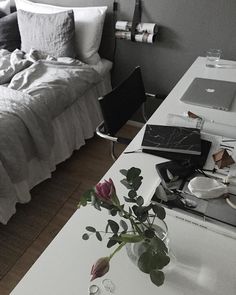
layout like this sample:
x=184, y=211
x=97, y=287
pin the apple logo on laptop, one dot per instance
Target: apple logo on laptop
x=210, y=90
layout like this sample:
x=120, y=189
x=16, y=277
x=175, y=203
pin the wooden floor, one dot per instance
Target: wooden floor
x=84, y=169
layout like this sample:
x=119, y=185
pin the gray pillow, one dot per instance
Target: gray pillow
x=9, y=32
x=51, y=34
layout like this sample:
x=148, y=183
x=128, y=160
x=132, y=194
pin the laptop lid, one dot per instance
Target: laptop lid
x=216, y=94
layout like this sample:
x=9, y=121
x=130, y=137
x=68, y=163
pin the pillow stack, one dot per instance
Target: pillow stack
x=51, y=34
x=5, y=7
x=88, y=27
x=9, y=31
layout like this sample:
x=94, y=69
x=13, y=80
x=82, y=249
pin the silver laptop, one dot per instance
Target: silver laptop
x=216, y=94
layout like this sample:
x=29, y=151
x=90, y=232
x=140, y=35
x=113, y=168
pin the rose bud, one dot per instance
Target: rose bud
x=100, y=268
x=106, y=191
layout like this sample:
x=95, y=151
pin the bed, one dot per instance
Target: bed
x=49, y=106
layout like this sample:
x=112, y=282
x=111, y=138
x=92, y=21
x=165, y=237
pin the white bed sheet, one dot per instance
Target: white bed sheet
x=71, y=128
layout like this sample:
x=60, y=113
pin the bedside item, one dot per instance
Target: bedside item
x=144, y=32
x=213, y=57
x=57, y=40
x=88, y=26
x=9, y=32
x=215, y=94
x=206, y=188
x=223, y=159
x=172, y=139
x=136, y=30
x=5, y=6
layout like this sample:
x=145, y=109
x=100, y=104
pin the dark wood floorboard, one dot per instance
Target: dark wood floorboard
x=84, y=169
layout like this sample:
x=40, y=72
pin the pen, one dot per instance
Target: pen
x=228, y=140
x=131, y=152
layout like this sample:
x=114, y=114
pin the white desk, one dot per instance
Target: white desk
x=206, y=260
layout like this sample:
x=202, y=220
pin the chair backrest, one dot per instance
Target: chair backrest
x=122, y=102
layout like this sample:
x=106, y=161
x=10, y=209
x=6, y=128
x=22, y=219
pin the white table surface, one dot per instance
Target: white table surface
x=205, y=253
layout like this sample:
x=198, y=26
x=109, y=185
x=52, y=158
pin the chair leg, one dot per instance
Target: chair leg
x=144, y=113
x=114, y=157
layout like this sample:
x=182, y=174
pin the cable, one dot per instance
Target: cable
x=230, y=203
x=115, y=9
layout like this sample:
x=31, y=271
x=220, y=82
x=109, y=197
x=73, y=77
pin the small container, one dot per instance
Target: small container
x=213, y=57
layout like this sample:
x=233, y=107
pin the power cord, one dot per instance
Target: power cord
x=115, y=9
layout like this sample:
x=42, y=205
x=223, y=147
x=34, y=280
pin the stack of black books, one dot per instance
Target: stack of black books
x=181, y=144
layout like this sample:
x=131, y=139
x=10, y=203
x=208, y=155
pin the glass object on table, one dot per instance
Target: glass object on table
x=213, y=57
x=108, y=285
x=93, y=290
x=135, y=250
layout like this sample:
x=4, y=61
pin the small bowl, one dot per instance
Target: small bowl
x=206, y=188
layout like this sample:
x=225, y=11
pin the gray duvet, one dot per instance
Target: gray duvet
x=33, y=98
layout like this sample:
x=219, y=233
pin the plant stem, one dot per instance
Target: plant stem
x=117, y=249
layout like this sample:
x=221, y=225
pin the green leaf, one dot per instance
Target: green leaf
x=98, y=235
x=143, y=217
x=133, y=173
x=114, y=226
x=96, y=203
x=137, y=182
x=158, y=245
x=112, y=241
x=91, y=229
x=124, y=225
x=132, y=194
x=146, y=263
x=85, y=237
x=123, y=172
x=86, y=197
x=157, y=277
x=161, y=260
x=159, y=211
x=129, y=200
x=135, y=209
x=140, y=201
x=126, y=183
x=113, y=211
x=149, y=233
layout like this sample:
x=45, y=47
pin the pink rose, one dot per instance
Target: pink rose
x=105, y=191
x=100, y=268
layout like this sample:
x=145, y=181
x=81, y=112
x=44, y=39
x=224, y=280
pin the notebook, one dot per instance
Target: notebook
x=216, y=94
x=197, y=161
x=172, y=139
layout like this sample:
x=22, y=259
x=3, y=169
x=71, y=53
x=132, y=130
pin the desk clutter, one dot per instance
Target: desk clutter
x=202, y=182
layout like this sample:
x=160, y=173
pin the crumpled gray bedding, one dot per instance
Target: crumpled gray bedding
x=32, y=99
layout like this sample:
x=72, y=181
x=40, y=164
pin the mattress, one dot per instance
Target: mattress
x=71, y=128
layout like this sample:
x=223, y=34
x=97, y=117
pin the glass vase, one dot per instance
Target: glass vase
x=135, y=250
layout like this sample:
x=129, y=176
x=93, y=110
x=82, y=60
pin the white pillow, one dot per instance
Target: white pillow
x=88, y=26
x=5, y=6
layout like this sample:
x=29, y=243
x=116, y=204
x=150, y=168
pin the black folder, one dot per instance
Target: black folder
x=197, y=161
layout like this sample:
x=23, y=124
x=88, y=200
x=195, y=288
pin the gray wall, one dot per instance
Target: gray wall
x=187, y=29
